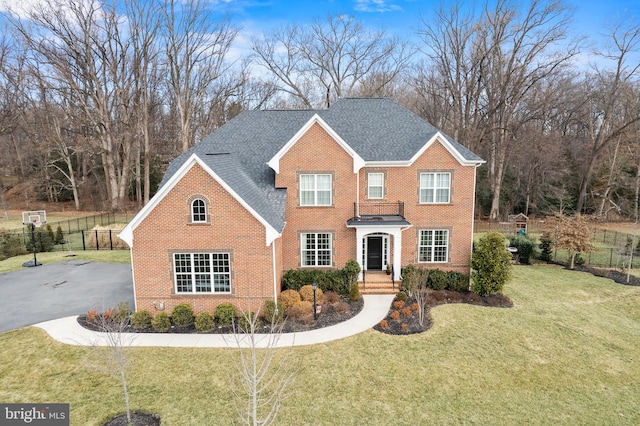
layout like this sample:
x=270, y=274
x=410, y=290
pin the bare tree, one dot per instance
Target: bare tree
x=611, y=102
x=82, y=47
x=263, y=372
x=489, y=66
x=112, y=347
x=327, y=60
x=196, y=46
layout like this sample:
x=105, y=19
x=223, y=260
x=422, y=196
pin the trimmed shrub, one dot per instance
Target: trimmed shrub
x=161, y=322
x=491, y=263
x=525, y=246
x=109, y=314
x=123, y=311
x=204, y=321
x=273, y=312
x=331, y=297
x=43, y=240
x=11, y=245
x=354, y=292
x=395, y=315
x=300, y=309
x=546, y=245
x=406, y=312
x=401, y=296
x=246, y=318
x=437, y=279
x=92, y=314
x=59, y=236
x=384, y=324
x=351, y=271
x=333, y=280
x=306, y=293
x=140, y=320
x=182, y=315
x=342, y=307
x=398, y=304
x=226, y=313
x=457, y=281
x=288, y=298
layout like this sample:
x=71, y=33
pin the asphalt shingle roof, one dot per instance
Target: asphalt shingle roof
x=377, y=129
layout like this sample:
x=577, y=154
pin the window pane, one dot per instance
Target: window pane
x=316, y=249
x=324, y=198
x=434, y=246
x=203, y=283
x=182, y=268
x=306, y=182
x=221, y=283
x=324, y=181
x=199, y=211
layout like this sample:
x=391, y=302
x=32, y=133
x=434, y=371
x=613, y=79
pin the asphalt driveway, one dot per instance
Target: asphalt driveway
x=46, y=292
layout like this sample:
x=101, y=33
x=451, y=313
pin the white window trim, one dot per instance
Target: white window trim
x=303, y=249
x=193, y=273
x=435, y=188
x=193, y=212
x=381, y=186
x=315, y=189
x=433, y=246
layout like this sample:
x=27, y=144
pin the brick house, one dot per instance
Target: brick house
x=275, y=190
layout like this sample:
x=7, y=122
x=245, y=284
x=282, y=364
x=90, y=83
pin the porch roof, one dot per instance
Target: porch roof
x=383, y=220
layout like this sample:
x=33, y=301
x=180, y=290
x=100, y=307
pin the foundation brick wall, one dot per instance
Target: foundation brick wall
x=231, y=228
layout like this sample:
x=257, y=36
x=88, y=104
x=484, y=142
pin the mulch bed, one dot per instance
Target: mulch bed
x=406, y=321
x=617, y=276
x=329, y=316
x=137, y=419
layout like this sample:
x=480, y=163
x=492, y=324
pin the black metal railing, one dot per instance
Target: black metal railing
x=378, y=209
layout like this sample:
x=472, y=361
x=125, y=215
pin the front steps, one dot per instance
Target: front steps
x=378, y=283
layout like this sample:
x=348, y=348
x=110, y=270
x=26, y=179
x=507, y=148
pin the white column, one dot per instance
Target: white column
x=397, y=253
x=359, y=236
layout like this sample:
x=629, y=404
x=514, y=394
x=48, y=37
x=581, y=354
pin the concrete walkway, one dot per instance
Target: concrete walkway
x=67, y=330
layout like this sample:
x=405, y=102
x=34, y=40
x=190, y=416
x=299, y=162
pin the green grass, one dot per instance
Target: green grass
x=566, y=353
x=108, y=256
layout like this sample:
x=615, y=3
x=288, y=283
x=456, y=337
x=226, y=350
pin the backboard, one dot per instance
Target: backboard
x=37, y=217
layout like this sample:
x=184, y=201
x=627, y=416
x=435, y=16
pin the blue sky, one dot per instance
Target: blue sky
x=400, y=16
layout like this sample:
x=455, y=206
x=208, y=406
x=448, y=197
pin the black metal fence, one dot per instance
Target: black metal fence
x=613, y=249
x=77, y=233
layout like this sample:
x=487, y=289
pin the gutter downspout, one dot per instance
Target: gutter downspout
x=273, y=261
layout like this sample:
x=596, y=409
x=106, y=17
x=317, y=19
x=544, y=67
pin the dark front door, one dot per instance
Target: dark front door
x=374, y=253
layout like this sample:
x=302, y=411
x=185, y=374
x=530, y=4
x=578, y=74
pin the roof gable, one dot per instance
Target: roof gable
x=274, y=162
x=229, y=175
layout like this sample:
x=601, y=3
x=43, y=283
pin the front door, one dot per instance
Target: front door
x=374, y=254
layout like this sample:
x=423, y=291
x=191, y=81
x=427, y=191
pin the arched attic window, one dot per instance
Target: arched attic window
x=198, y=211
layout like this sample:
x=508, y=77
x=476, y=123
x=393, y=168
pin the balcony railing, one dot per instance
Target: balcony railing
x=378, y=209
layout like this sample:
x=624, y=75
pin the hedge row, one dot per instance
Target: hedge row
x=338, y=280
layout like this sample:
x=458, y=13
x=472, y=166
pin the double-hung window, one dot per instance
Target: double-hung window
x=434, y=245
x=202, y=272
x=376, y=185
x=435, y=187
x=198, y=211
x=315, y=190
x=315, y=249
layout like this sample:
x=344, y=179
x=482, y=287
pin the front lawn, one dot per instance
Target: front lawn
x=566, y=353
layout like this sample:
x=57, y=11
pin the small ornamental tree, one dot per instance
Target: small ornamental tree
x=574, y=235
x=491, y=264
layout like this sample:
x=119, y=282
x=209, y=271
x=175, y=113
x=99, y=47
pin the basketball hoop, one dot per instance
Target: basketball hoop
x=37, y=223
